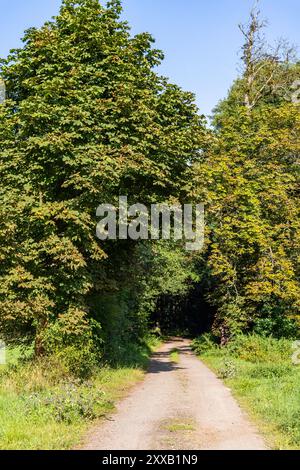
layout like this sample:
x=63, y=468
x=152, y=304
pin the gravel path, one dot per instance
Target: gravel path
x=178, y=406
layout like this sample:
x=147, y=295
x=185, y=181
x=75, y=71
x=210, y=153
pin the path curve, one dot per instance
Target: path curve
x=177, y=406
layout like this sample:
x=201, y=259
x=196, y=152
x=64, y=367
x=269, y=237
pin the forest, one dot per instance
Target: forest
x=87, y=118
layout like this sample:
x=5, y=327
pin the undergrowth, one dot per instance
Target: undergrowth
x=44, y=406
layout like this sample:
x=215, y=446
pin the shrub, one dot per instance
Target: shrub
x=79, y=362
x=74, y=341
x=206, y=342
x=255, y=348
x=279, y=326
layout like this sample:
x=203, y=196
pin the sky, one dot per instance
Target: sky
x=200, y=38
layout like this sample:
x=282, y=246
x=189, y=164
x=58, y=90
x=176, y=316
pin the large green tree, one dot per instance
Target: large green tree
x=251, y=189
x=86, y=119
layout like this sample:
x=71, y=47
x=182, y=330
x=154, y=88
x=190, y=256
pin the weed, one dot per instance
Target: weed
x=228, y=370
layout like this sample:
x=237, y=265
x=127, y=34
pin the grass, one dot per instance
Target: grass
x=179, y=426
x=43, y=408
x=174, y=355
x=263, y=378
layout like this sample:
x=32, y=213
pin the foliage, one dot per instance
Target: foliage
x=256, y=348
x=75, y=342
x=205, y=342
x=86, y=119
x=251, y=191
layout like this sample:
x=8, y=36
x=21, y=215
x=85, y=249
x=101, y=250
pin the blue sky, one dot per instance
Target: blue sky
x=200, y=38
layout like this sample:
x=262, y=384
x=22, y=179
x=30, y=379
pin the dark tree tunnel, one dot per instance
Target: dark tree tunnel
x=190, y=315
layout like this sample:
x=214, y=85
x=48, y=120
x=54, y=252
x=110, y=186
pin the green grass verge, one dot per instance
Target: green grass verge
x=43, y=408
x=264, y=380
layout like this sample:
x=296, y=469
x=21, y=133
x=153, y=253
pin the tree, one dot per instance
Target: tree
x=263, y=66
x=86, y=120
x=251, y=193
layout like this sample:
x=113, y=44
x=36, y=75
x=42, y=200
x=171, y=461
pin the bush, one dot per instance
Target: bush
x=278, y=326
x=206, y=342
x=76, y=342
x=79, y=362
x=255, y=348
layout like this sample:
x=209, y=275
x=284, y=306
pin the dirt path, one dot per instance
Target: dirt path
x=178, y=406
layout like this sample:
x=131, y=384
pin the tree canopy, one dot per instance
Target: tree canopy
x=87, y=118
